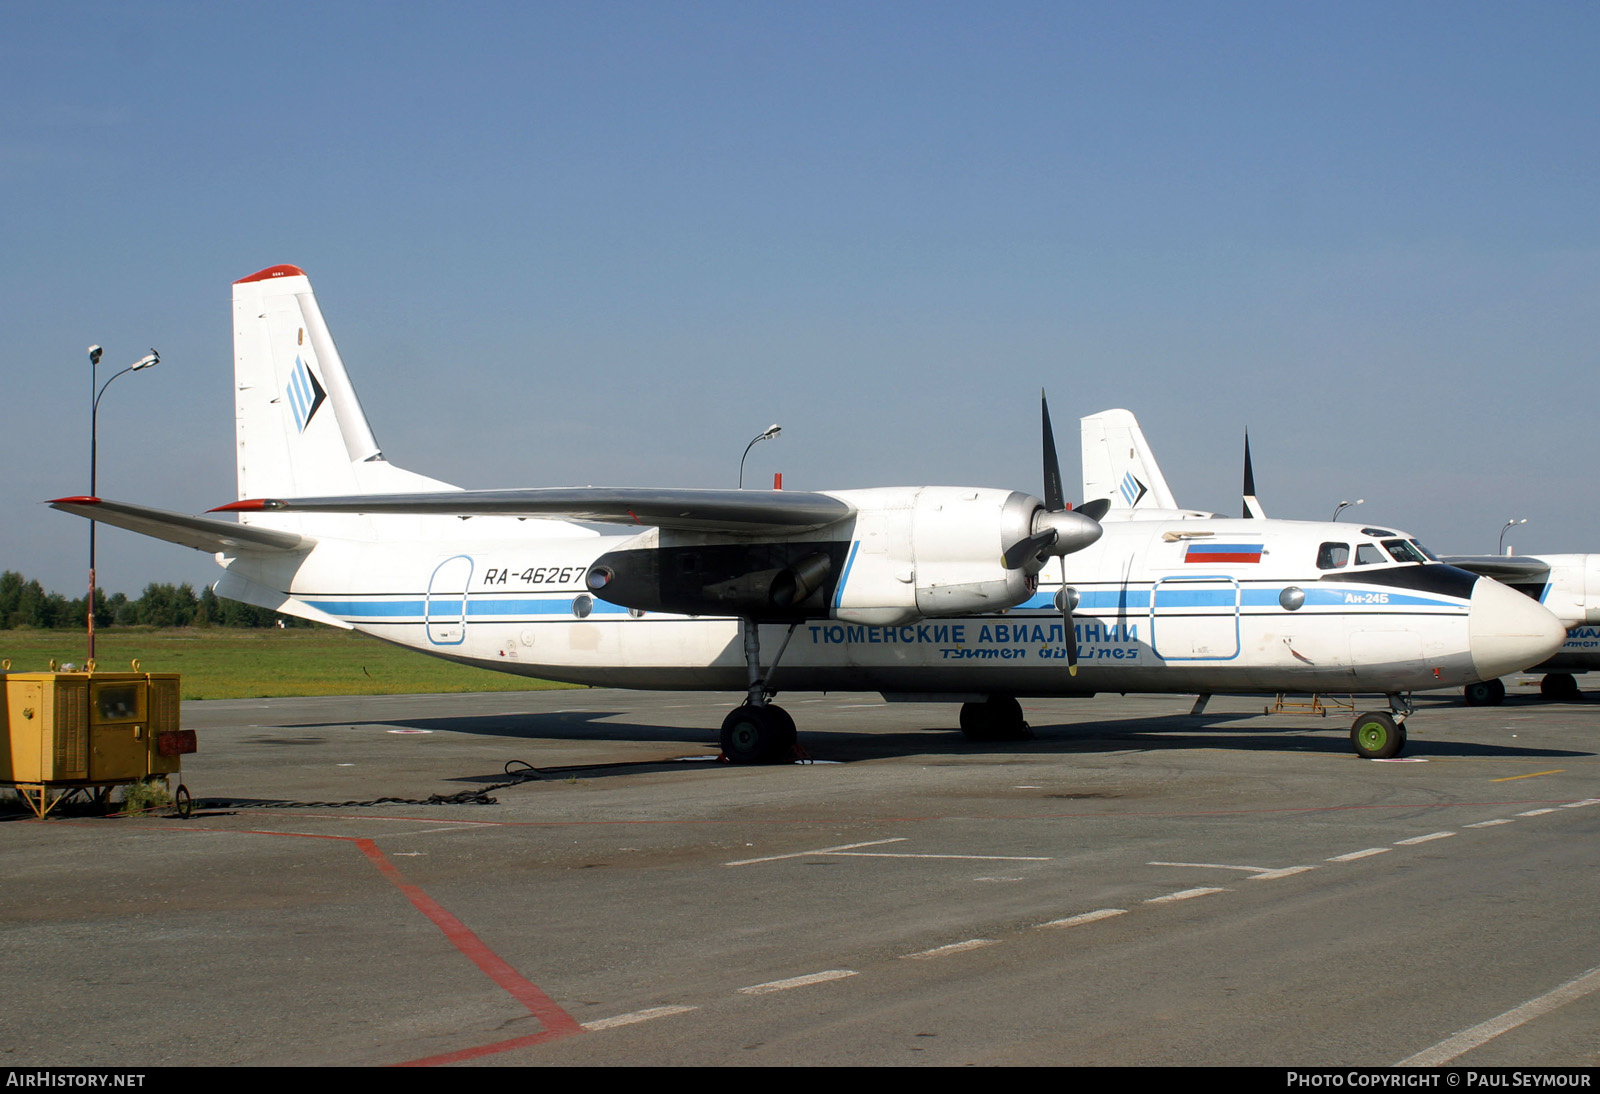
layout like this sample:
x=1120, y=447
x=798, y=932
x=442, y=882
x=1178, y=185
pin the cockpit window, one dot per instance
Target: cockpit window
x=1403, y=551
x=1331, y=556
x=1367, y=554
x=1427, y=554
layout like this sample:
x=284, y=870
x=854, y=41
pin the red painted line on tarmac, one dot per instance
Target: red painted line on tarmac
x=557, y=1022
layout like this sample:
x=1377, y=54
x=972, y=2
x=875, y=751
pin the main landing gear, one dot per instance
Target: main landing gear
x=1558, y=687
x=1561, y=687
x=1381, y=735
x=758, y=732
x=998, y=718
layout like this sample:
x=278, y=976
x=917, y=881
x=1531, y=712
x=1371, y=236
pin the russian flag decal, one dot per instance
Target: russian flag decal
x=1222, y=552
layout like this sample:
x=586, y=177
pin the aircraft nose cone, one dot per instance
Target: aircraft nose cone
x=1508, y=631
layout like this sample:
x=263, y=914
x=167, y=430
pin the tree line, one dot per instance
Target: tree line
x=24, y=603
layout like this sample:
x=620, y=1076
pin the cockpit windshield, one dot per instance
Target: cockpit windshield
x=1404, y=550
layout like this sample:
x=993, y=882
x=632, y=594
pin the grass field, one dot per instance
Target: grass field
x=229, y=663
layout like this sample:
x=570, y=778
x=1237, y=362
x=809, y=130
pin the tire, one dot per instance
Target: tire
x=1485, y=693
x=1376, y=736
x=1560, y=687
x=998, y=718
x=755, y=735
x=975, y=722
x=786, y=726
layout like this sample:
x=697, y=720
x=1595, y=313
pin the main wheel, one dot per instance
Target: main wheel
x=791, y=735
x=1560, y=686
x=1376, y=736
x=1485, y=693
x=975, y=722
x=999, y=718
x=757, y=735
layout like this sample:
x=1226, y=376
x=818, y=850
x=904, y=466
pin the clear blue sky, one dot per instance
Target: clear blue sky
x=610, y=242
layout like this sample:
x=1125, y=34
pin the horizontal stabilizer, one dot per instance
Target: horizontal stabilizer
x=732, y=511
x=1501, y=567
x=201, y=533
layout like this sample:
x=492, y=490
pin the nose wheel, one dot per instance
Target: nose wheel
x=1376, y=735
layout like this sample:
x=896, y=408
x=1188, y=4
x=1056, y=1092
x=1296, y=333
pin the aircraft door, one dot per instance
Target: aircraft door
x=445, y=611
x=1195, y=618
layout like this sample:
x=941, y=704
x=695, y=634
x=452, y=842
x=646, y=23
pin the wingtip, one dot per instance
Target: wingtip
x=82, y=499
x=246, y=505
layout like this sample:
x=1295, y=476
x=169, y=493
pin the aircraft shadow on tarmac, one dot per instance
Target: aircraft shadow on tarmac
x=851, y=743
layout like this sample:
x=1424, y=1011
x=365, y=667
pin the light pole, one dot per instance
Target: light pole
x=766, y=434
x=1343, y=505
x=1507, y=527
x=147, y=361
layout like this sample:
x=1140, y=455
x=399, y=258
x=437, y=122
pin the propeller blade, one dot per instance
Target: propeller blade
x=1095, y=509
x=1024, y=549
x=1064, y=603
x=1054, y=498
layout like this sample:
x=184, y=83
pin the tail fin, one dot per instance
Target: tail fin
x=300, y=430
x=1118, y=464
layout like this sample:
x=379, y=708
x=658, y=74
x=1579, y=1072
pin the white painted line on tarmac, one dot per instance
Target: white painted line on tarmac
x=637, y=1016
x=797, y=982
x=1086, y=917
x=1422, y=839
x=910, y=854
x=1258, y=873
x=1185, y=894
x=1537, y=812
x=1467, y=1040
x=817, y=851
x=1580, y=805
x=1283, y=871
x=1353, y=855
x=945, y=951
x=1491, y=823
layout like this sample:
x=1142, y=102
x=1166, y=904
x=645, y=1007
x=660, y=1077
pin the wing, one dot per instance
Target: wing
x=201, y=533
x=746, y=512
x=1501, y=567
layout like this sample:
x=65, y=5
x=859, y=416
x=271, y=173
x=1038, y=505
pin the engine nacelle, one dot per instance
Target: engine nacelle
x=906, y=554
x=1573, y=588
x=935, y=551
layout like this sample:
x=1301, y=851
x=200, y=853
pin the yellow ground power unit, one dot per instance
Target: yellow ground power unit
x=68, y=733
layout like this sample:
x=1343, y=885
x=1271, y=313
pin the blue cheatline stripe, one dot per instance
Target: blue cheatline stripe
x=1126, y=600
x=476, y=609
x=838, y=594
x=1197, y=598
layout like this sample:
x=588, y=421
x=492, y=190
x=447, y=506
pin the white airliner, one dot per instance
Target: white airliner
x=920, y=593
x=1115, y=452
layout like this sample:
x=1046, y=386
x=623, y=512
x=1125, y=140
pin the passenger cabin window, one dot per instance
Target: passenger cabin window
x=1403, y=551
x=1367, y=554
x=1331, y=556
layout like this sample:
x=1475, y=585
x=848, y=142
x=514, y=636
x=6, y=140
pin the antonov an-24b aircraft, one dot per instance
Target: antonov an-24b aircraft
x=924, y=593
